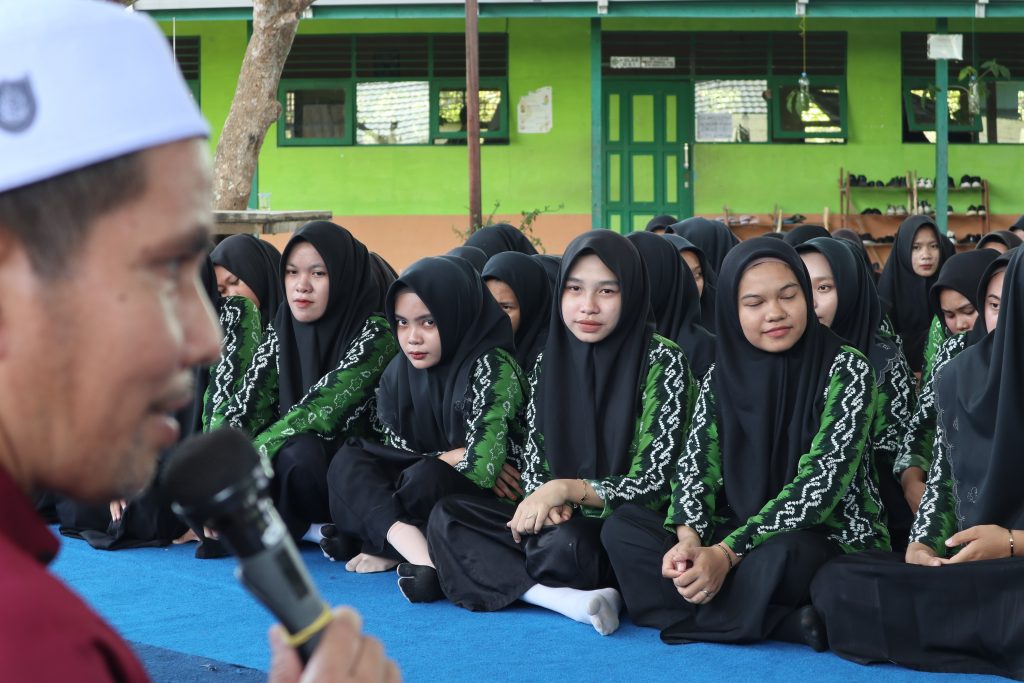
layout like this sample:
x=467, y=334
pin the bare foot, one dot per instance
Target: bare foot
x=370, y=564
x=187, y=537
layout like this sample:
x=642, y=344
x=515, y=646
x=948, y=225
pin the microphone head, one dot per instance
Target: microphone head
x=208, y=468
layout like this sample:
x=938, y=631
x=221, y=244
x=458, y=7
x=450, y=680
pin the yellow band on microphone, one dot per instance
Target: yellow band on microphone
x=303, y=636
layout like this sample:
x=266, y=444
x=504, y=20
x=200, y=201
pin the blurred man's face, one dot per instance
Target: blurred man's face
x=96, y=361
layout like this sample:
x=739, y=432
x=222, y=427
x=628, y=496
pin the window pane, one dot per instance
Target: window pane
x=451, y=110
x=822, y=116
x=924, y=107
x=731, y=110
x=314, y=113
x=1003, y=112
x=393, y=113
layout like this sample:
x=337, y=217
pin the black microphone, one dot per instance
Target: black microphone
x=218, y=480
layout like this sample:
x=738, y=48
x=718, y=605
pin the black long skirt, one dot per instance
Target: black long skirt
x=299, y=486
x=481, y=568
x=758, y=601
x=372, y=486
x=966, y=618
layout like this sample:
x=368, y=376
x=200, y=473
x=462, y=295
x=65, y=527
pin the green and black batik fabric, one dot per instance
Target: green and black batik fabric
x=243, y=332
x=886, y=329
x=937, y=335
x=337, y=407
x=918, y=442
x=894, y=406
x=834, y=489
x=936, y=516
x=495, y=399
x=667, y=395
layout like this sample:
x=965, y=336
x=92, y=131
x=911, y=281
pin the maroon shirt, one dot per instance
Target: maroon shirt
x=46, y=632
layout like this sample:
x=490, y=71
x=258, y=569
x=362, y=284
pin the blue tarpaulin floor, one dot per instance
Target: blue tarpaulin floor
x=190, y=620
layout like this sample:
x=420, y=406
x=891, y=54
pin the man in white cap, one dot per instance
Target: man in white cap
x=105, y=196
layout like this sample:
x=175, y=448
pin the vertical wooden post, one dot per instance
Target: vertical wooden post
x=473, y=112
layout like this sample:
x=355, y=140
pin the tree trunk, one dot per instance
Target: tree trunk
x=255, y=104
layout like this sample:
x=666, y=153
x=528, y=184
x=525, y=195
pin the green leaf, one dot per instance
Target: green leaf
x=966, y=72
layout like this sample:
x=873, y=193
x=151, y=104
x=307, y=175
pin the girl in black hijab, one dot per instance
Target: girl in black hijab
x=918, y=254
x=954, y=605
x=311, y=383
x=955, y=293
x=250, y=267
x=675, y=300
x=476, y=256
x=804, y=233
x=446, y=405
x=846, y=301
x=606, y=413
x=1000, y=240
x=658, y=224
x=494, y=239
x=713, y=238
x=520, y=286
x=703, y=274
x=771, y=482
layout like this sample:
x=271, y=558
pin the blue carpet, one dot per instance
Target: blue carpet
x=166, y=599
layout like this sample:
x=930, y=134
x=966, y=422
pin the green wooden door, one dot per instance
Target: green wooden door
x=648, y=152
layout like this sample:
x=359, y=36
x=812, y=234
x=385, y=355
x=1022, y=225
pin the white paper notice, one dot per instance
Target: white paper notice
x=535, y=111
x=714, y=126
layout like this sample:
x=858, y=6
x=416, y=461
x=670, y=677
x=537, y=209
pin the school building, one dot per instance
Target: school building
x=604, y=113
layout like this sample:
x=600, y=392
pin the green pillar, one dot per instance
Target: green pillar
x=941, y=136
x=596, y=131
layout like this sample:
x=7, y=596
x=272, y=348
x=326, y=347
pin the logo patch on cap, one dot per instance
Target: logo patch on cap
x=17, y=105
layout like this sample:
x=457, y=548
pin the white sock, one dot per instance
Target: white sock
x=600, y=608
x=410, y=543
x=313, y=534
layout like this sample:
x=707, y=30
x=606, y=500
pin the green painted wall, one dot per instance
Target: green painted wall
x=551, y=169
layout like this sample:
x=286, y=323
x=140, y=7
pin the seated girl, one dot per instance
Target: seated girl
x=845, y=300
x=445, y=407
x=606, y=416
x=953, y=300
x=311, y=383
x=771, y=482
x=954, y=606
x=520, y=286
x=675, y=300
x=703, y=274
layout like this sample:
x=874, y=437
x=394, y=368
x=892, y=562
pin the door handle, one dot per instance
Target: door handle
x=686, y=156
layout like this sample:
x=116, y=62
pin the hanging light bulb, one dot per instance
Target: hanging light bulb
x=974, y=96
x=803, y=98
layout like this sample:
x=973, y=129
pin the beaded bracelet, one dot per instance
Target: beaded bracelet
x=1010, y=531
x=729, y=557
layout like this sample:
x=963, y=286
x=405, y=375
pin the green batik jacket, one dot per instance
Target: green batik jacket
x=918, y=442
x=243, y=332
x=936, y=517
x=937, y=334
x=338, y=406
x=894, y=406
x=661, y=426
x=834, y=490
x=494, y=399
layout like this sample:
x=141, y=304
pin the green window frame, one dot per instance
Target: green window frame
x=501, y=132
x=781, y=87
x=926, y=124
x=345, y=86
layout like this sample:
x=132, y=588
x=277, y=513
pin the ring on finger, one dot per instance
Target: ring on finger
x=707, y=593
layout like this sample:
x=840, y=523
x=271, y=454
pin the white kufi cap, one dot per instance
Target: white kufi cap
x=84, y=81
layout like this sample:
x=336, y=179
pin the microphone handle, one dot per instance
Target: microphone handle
x=278, y=578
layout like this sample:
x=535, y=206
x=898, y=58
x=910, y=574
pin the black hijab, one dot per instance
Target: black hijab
x=775, y=235
x=494, y=239
x=714, y=238
x=981, y=410
x=981, y=327
x=858, y=310
x=962, y=273
x=529, y=281
x=852, y=238
x=257, y=263
x=425, y=407
x=804, y=233
x=904, y=294
x=588, y=396
x=769, y=404
x=1007, y=238
x=708, y=295
x=1018, y=225
x=660, y=222
x=191, y=416
x=675, y=302
x=475, y=255
x=551, y=265
x=308, y=351
x=384, y=271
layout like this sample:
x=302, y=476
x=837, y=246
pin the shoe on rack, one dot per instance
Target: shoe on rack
x=972, y=210
x=949, y=211
x=965, y=181
x=862, y=181
x=981, y=210
x=890, y=210
x=894, y=182
x=901, y=210
x=976, y=181
x=951, y=183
